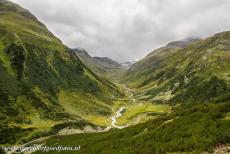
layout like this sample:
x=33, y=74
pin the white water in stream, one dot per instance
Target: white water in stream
x=114, y=118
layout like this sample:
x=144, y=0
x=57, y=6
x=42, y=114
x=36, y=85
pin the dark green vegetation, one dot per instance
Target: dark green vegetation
x=44, y=87
x=191, y=72
x=194, y=77
x=36, y=73
x=191, y=128
x=102, y=66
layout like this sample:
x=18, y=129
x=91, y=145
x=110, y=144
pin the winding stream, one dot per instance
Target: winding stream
x=114, y=118
x=113, y=124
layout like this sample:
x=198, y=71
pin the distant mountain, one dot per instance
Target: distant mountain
x=172, y=46
x=184, y=71
x=127, y=65
x=102, y=66
x=194, y=78
x=44, y=86
x=182, y=43
x=107, y=61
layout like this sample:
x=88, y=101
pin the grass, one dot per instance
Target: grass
x=140, y=111
x=54, y=87
x=87, y=106
x=96, y=119
x=42, y=82
x=97, y=112
x=78, y=103
x=227, y=117
x=6, y=61
x=202, y=59
x=189, y=129
x=40, y=123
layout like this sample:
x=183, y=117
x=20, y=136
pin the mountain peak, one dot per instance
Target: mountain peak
x=100, y=65
x=7, y=6
x=36, y=67
x=81, y=51
x=182, y=43
x=106, y=60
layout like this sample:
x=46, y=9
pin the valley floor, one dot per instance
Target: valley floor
x=127, y=111
x=131, y=111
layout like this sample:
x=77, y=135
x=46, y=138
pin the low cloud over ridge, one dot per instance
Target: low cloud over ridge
x=128, y=30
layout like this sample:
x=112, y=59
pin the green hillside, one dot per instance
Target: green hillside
x=197, y=76
x=42, y=82
x=191, y=129
x=102, y=66
x=175, y=100
x=198, y=71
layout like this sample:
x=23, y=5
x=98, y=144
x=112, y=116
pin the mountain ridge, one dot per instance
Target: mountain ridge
x=168, y=66
x=103, y=66
x=195, y=81
x=44, y=86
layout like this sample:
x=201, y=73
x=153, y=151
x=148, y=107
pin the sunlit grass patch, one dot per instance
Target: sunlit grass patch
x=79, y=103
x=227, y=117
x=86, y=106
x=39, y=122
x=140, y=112
x=96, y=119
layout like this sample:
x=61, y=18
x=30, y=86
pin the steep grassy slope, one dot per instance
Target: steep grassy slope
x=101, y=66
x=138, y=71
x=196, y=76
x=196, y=72
x=42, y=82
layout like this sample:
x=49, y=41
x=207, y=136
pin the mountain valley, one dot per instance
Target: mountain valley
x=174, y=100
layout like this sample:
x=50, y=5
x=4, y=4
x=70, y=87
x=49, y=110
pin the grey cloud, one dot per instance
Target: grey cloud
x=128, y=30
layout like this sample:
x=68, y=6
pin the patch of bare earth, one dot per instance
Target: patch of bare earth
x=220, y=149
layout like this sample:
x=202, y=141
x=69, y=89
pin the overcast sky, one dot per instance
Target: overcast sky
x=126, y=30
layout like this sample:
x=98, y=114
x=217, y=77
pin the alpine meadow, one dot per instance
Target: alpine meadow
x=53, y=96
